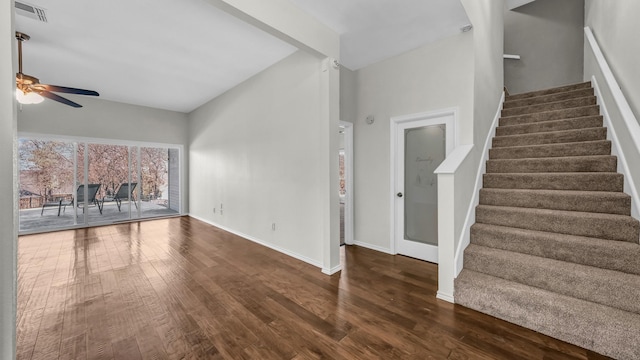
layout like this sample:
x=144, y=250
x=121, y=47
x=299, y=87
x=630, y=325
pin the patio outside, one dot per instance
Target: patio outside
x=124, y=183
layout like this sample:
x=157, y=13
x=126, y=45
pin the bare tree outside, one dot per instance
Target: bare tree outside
x=46, y=169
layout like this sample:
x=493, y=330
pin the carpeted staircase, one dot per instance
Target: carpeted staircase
x=554, y=247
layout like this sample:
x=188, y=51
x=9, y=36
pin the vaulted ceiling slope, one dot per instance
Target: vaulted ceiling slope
x=177, y=55
x=374, y=30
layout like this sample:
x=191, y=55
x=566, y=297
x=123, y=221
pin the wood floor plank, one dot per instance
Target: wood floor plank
x=182, y=289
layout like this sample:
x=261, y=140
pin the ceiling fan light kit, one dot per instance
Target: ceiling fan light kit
x=29, y=90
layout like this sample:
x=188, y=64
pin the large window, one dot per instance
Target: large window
x=112, y=183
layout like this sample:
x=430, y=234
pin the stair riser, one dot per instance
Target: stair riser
x=557, y=90
x=571, y=320
x=550, y=115
x=612, y=255
x=548, y=98
x=547, y=165
x=545, y=126
x=552, y=150
x=557, y=181
x=595, y=202
x=610, y=227
x=566, y=104
x=600, y=286
x=556, y=137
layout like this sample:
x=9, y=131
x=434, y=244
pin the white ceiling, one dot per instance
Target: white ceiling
x=177, y=55
x=374, y=30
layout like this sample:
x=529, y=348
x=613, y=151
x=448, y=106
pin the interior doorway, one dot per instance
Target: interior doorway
x=345, y=187
x=419, y=144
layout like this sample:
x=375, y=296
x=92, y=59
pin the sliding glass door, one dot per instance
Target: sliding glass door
x=111, y=183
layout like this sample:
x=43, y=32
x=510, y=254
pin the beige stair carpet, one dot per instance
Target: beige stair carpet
x=554, y=247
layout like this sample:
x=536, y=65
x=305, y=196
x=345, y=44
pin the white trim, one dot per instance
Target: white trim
x=451, y=164
x=446, y=297
x=616, y=150
x=511, y=57
x=305, y=259
x=349, y=200
x=333, y=270
x=373, y=247
x=395, y=122
x=465, y=237
x=101, y=141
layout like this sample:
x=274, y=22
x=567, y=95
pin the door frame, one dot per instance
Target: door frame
x=348, y=169
x=452, y=138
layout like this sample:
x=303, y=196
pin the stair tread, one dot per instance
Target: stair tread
x=551, y=137
x=553, y=90
x=562, y=95
x=546, y=133
x=559, y=114
x=581, y=148
x=601, y=225
x=556, y=105
x=583, y=122
x=569, y=200
x=590, y=163
x=563, y=317
x=607, y=287
x=562, y=212
x=614, y=255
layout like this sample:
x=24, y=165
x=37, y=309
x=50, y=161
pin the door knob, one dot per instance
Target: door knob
x=399, y=194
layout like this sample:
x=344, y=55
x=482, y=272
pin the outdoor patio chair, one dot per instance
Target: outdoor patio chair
x=79, y=199
x=57, y=202
x=122, y=195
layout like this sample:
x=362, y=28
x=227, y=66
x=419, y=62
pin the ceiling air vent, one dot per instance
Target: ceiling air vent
x=30, y=11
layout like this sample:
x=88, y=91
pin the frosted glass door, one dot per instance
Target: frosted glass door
x=423, y=152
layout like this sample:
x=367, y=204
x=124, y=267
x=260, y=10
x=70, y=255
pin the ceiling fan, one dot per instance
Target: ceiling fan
x=31, y=91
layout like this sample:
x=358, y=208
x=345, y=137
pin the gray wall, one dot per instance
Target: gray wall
x=8, y=188
x=615, y=27
x=548, y=35
x=433, y=77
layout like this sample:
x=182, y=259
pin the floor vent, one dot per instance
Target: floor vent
x=31, y=11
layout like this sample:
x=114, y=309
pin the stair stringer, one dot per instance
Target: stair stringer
x=465, y=236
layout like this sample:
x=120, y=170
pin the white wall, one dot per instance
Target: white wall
x=104, y=119
x=548, y=35
x=257, y=150
x=487, y=18
x=433, y=77
x=8, y=187
x=615, y=27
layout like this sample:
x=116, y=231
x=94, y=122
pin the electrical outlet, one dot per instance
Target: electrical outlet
x=273, y=226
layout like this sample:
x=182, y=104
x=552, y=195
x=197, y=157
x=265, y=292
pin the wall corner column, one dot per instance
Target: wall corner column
x=330, y=119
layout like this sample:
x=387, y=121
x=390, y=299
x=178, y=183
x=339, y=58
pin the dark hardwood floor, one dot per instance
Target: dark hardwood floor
x=181, y=289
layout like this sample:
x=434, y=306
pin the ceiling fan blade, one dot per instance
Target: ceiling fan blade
x=68, y=90
x=60, y=99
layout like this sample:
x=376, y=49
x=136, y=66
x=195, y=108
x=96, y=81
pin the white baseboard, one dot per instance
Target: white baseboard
x=333, y=270
x=265, y=244
x=373, y=247
x=445, y=297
